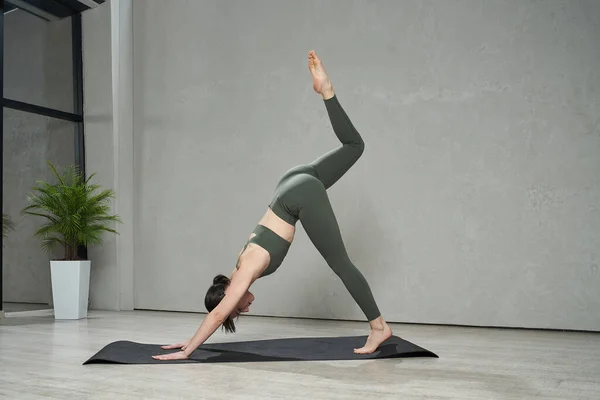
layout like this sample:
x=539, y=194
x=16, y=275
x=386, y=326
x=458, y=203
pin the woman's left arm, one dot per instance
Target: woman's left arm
x=238, y=286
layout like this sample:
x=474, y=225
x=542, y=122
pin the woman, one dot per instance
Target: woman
x=300, y=196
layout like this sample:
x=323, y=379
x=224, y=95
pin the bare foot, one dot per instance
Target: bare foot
x=321, y=82
x=380, y=332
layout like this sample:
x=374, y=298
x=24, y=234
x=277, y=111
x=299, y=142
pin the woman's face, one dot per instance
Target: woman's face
x=244, y=304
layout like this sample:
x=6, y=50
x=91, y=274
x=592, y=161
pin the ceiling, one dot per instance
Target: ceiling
x=51, y=10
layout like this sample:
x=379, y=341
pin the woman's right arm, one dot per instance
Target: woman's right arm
x=239, y=285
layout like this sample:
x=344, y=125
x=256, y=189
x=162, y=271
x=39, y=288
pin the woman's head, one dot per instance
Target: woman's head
x=215, y=294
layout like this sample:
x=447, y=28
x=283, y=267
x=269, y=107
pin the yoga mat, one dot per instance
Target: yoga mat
x=290, y=349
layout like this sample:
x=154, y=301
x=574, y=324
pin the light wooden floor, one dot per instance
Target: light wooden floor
x=41, y=359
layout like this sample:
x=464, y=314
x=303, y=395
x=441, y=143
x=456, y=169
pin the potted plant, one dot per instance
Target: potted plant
x=7, y=225
x=75, y=214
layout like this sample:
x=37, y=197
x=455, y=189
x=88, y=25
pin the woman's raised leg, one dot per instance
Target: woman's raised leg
x=331, y=166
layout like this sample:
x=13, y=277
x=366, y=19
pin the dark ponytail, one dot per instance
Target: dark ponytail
x=221, y=280
x=213, y=297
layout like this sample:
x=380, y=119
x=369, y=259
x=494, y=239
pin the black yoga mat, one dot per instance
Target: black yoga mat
x=292, y=349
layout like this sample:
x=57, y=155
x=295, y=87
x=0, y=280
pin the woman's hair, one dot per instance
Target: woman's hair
x=215, y=294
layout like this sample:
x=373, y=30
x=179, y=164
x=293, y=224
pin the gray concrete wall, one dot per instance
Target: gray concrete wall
x=99, y=147
x=38, y=70
x=476, y=200
x=108, y=109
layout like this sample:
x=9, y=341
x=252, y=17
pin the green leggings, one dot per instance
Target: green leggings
x=301, y=196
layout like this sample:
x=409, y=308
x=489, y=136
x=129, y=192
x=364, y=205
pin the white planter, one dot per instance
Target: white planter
x=70, y=288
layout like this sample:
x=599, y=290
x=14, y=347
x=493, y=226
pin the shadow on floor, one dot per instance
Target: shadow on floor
x=10, y=307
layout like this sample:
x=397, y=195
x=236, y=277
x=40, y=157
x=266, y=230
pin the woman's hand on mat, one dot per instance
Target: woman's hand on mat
x=182, y=346
x=180, y=355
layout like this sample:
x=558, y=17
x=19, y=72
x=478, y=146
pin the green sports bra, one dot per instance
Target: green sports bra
x=275, y=245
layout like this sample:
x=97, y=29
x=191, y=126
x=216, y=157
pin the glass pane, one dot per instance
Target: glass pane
x=38, y=60
x=30, y=141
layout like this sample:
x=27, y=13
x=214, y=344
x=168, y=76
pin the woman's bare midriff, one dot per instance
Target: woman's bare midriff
x=278, y=225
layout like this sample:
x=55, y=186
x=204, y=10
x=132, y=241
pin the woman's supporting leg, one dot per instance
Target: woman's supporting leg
x=320, y=224
x=331, y=166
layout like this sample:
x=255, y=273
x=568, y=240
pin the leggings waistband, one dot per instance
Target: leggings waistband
x=281, y=211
